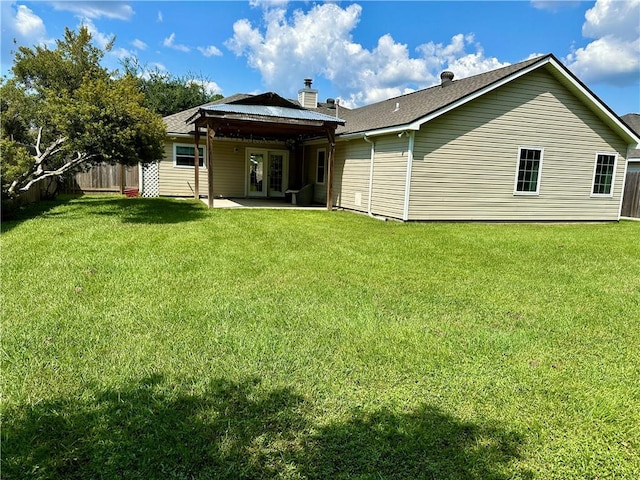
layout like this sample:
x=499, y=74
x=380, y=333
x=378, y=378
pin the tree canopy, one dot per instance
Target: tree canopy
x=62, y=110
x=165, y=93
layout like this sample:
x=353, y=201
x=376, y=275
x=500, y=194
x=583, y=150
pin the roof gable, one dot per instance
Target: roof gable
x=410, y=111
x=405, y=109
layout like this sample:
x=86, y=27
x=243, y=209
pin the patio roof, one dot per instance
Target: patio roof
x=266, y=117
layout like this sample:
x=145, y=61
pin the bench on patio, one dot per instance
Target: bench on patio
x=302, y=196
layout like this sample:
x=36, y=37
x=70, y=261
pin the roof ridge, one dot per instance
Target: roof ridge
x=528, y=61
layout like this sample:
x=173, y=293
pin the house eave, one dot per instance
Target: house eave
x=555, y=67
x=377, y=132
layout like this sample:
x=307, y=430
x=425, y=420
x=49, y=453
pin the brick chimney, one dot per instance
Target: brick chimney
x=307, y=96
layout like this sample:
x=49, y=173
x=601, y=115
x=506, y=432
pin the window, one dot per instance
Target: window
x=603, y=174
x=183, y=155
x=321, y=166
x=528, y=174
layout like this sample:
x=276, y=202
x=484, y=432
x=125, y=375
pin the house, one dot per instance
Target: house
x=526, y=142
x=631, y=196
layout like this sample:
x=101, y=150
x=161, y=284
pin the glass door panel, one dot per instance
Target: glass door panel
x=256, y=181
x=276, y=174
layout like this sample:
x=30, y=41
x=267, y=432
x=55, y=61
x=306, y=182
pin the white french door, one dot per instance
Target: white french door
x=267, y=172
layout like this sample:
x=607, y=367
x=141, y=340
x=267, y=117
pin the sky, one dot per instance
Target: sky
x=357, y=52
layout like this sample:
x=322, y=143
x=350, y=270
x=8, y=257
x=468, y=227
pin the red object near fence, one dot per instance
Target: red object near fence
x=131, y=192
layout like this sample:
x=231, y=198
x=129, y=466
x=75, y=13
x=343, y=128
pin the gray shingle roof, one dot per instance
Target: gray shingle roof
x=633, y=120
x=407, y=108
x=176, y=123
x=412, y=107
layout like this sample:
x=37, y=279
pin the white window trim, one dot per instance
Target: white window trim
x=325, y=165
x=192, y=145
x=515, y=181
x=613, y=174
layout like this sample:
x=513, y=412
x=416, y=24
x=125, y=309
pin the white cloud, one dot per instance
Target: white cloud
x=160, y=16
x=554, y=5
x=319, y=42
x=139, y=44
x=28, y=24
x=210, y=87
x=20, y=23
x=159, y=66
x=454, y=57
x=102, y=40
x=170, y=43
x=614, y=55
x=268, y=3
x=610, y=17
x=210, y=51
x=20, y=26
x=97, y=9
x=607, y=60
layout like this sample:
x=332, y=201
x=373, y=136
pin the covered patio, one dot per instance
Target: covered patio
x=264, y=118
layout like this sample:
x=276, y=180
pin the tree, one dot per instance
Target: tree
x=65, y=111
x=166, y=94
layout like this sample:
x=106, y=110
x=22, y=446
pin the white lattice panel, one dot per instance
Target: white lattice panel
x=150, y=180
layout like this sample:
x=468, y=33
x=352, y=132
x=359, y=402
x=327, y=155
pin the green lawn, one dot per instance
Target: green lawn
x=156, y=339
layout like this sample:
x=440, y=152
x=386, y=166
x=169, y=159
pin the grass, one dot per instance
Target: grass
x=153, y=338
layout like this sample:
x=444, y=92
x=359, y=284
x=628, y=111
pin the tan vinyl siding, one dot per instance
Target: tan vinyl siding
x=465, y=162
x=311, y=164
x=179, y=181
x=229, y=170
x=389, y=175
x=351, y=182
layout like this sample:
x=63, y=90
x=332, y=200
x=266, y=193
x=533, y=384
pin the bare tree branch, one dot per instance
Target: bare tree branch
x=37, y=172
x=38, y=152
x=80, y=158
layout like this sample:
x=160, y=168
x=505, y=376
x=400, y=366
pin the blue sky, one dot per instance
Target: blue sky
x=359, y=52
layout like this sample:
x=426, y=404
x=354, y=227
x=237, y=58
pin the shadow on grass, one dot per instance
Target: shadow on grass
x=239, y=431
x=149, y=210
x=128, y=210
x=33, y=210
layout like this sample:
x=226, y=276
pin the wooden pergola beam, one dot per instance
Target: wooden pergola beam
x=210, y=134
x=196, y=166
x=331, y=136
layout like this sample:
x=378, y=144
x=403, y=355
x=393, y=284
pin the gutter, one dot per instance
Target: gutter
x=382, y=131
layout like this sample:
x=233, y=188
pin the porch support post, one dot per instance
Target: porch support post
x=123, y=178
x=196, y=165
x=331, y=135
x=210, y=134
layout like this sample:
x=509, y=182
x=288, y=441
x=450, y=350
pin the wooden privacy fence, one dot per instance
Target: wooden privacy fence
x=103, y=178
x=631, y=199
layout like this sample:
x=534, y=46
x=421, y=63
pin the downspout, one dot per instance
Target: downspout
x=407, y=186
x=624, y=182
x=373, y=154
